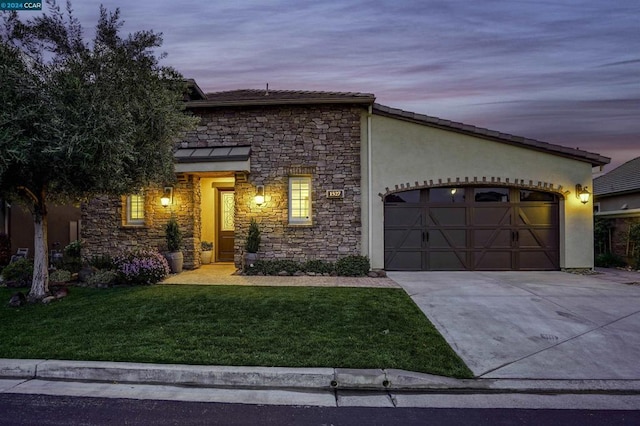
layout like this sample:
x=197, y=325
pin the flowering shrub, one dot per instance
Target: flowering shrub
x=142, y=267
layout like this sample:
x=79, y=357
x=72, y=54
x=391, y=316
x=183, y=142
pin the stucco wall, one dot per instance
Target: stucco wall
x=406, y=153
x=617, y=202
x=62, y=226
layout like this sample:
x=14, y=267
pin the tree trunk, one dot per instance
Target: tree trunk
x=40, y=283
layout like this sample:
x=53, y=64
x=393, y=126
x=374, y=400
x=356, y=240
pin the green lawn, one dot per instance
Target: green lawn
x=231, y=325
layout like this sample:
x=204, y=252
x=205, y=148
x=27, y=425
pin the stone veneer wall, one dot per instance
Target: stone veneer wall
x=319, y=141
x=104, y=232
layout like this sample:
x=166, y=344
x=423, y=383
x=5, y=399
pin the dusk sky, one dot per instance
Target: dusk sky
x=561, y=71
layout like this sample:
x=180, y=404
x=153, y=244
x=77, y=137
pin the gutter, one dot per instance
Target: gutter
x=619, y=213
x=369, y=187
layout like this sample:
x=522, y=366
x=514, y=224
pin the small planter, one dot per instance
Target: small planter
x=205, y=257
x=206, y=253
x=176, y=260
x=252, y=244
x=174, y=238
x=250, y=259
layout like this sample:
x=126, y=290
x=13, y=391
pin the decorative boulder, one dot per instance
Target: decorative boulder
x=17, y=299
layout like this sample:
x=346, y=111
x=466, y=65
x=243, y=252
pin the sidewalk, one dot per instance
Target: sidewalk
x=325, y=387
x=284, y=378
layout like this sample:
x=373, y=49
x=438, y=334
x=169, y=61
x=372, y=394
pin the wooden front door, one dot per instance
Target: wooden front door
x=226, y=227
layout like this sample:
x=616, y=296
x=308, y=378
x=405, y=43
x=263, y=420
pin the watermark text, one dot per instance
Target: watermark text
x=20, y=6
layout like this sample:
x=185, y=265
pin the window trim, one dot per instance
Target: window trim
x=129, y=221
x=298, y=221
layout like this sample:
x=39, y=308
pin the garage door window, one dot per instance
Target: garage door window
x=491, y=195
x=446, y=195
x=534, y=196
x=404, y=197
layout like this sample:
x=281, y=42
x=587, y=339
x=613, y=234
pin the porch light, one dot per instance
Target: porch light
x=167, y=196
x=582, y=193
x=259, y=198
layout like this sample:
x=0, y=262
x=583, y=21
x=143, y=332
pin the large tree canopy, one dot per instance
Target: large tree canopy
x=81, y=118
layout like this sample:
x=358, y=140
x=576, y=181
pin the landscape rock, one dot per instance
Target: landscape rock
x=85, y=273
x=61, y=292
x=17, y=299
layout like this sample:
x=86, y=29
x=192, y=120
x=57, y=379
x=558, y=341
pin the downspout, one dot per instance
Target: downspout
x=369, y=187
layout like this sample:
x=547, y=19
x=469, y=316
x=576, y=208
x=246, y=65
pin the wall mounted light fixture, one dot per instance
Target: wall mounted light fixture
x=167, y=196
x=259, y=198
x=582, y=193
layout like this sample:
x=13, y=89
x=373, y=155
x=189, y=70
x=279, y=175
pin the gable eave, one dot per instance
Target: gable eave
x=492, y=135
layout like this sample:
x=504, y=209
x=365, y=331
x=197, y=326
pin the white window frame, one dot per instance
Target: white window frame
x=138, y=219
x=295, y=197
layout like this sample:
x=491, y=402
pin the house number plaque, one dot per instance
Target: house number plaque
x=335, y=193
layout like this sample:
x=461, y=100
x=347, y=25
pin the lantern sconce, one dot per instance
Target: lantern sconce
x=582, y=193
x=167, y=196
x=259, y=198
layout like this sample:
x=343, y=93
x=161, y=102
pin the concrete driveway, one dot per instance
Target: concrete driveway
x=534, y=325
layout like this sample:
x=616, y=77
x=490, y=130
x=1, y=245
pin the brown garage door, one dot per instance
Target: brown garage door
x=471, y=228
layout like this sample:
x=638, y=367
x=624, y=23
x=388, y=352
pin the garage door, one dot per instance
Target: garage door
x=471, y=228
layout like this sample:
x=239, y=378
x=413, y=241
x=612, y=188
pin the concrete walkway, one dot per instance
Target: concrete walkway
x=535, y=325
x=224, y=274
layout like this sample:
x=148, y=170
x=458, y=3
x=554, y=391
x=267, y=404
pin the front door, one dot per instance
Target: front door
x=226, y=227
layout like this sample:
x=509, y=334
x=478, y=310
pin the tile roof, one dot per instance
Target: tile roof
x=577, y=154
x=624, y=178
x=279, y=97
x=194, y=92
x=254, y=97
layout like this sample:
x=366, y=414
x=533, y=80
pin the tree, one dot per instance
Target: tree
x=81, y=118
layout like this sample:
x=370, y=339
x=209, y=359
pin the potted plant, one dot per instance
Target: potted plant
x=174, y=239
x=206, y=253
x=252, y=244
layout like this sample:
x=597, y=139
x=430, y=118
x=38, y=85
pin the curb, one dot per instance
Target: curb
x=293, y=378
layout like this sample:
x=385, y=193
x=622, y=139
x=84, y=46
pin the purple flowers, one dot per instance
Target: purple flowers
x=142, y=267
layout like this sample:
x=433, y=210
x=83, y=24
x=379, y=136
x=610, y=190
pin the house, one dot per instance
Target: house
x=617, y=198
x=17, y=222
x=330, y=174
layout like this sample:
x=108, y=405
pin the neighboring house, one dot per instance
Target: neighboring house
x=617, y=197
x=340, y=175
x=17, y=222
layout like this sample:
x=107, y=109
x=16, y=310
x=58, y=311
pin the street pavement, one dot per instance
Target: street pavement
x=533, y=339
